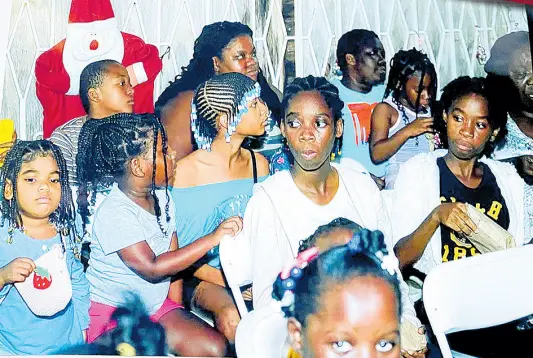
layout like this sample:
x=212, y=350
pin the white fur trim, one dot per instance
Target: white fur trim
x=76, y=53
x=140, y=73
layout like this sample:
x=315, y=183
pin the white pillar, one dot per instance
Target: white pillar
x=5, y=20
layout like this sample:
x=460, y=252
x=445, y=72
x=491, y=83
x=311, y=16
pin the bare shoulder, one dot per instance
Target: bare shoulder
x=186, y=171
x=263, y=168
x=177, y=106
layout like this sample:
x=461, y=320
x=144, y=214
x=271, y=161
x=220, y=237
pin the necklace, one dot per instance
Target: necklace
x=405, y=119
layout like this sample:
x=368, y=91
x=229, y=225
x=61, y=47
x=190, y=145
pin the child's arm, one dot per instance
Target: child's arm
x=381, y=146
x=210, y=274
x=80, y=291
x=175, y=292
x=141, y=259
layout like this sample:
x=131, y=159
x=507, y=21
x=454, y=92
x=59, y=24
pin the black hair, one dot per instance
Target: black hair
x=329, y=93
x=213, y=39
x=93, y=76
x=24, y=152
x=222, y=94
x=464, y=86
x=354, y=42
x=406, y=64
x=135, y=334
x=105, y=148
x=362, y=256
x=327, y=229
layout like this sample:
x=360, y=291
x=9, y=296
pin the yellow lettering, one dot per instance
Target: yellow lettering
x=459, y=253
x=453, y=200
x=446, y=253
x=473, y=252
x=478, y=206
x=494, y=210
x=442, y=199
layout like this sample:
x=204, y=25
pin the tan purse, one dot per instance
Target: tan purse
x=489, y=236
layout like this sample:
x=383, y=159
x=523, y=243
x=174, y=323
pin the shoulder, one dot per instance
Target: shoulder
x=177, y=107
x=116, y=204
x=501, y=169
x=186, y=170
x=263, y=166
x=383, y=109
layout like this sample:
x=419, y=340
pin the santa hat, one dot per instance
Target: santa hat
x=91, y=12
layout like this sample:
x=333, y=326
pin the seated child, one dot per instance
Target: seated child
x=37, y=239
x=134, y=247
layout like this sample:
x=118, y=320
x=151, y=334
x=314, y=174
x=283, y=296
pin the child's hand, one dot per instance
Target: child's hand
x=419, y=126
x=247, y=294
x=229, y=227
x=455, y=216
x=16, y=271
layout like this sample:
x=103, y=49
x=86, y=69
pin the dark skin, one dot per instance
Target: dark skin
x=310, y=129
x=141, y=259
x=366, y=69
x=468, y=132
x=521, y=73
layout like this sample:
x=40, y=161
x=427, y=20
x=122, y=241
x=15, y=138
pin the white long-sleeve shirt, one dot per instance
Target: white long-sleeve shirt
x=279, y=216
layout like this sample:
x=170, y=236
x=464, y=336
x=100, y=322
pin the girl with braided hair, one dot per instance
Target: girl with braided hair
x=344, y=301
x=134, y=247
x=402, y=125
x=222, y=47
x=215, y=182
x=38, y=221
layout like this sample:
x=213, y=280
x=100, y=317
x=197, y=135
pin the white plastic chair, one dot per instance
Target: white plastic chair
x=479, y=292
x=261, y=333
x=235, y=258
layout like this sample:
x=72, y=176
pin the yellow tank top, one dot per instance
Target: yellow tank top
x=293, y=354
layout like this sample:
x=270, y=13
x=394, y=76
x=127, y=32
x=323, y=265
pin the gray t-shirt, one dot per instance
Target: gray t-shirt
x=119, y=223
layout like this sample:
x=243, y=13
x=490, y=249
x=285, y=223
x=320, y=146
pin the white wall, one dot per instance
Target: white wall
x=448, y=30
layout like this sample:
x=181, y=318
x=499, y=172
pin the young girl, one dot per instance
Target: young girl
x=215, y=182
x=38, y=219
x=345, y=301
x=401, y=122
x=134, y=245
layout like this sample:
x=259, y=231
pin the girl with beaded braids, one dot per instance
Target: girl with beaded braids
x=222, y=47
x=38, y=218
x=134, y=247
x=215, y=182
x=402, y=125
x=344, y=301
x=290, y=204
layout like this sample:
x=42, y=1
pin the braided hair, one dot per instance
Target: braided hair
x=327, y=229
x=329, y=93
x=105, y=149
x=93, y=76
x=24, y=152
x=464, y=86
x=406, y=64
x=226, y=94
x=300, y=287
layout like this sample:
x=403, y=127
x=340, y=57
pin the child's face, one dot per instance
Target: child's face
x=38, y=188
x=254, y=122
x=310, y=129
x=358, y=318
x=411, y=89
x=468, y=127
x=116, y=93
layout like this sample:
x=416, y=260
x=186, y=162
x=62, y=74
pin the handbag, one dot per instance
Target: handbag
x=48, y=289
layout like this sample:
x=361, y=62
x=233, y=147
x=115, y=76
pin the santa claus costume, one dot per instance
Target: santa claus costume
x=92, y=35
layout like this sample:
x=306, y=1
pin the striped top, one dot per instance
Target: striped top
x=66, y=138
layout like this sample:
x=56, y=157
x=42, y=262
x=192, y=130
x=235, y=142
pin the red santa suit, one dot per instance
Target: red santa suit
x=92, y=35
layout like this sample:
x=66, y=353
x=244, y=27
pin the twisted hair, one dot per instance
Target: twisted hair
x=225, y=94
x=364, y=255
x=105, y=149
x=406, y=64
x=25, y=152
x=464, y=86
x=328, y=229
x=353, y=42
x=329, y=93
x=93, y=76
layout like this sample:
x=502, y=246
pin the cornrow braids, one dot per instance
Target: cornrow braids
x=93, y=76
x=213, y=39
x=327, y=229
x=105, y=149
x=404, y=65
x=63, y=218
x=329, y=92
x=301, y=284
x=226, y=94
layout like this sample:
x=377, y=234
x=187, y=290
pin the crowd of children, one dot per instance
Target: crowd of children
x=386, y=174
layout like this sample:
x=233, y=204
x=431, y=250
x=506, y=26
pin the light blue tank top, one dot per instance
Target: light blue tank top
x=412, y=147
x=200, y=209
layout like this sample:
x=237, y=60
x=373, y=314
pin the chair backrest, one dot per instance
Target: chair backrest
x=262, y=333
x=479, y=292
x=236, y=261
